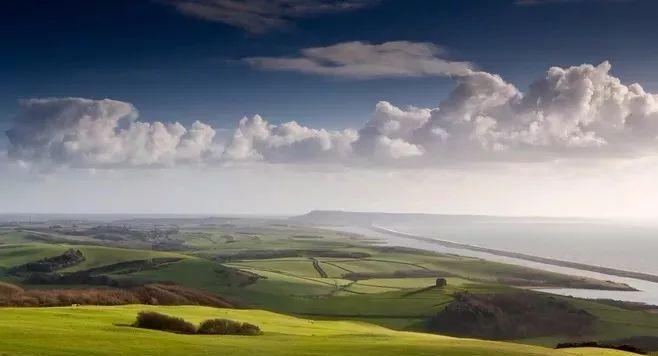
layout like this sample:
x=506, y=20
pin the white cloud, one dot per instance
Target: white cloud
x=364, y=60
x=386, y=135
x=578, y=112
x=260, y=16
x=396, y=148
x=256, y=139
x=101, y=133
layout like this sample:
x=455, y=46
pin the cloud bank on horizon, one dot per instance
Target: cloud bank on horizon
x=88, y=133
x=577, y=112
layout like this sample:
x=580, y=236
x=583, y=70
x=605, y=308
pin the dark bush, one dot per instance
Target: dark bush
x=250, y=329
x=227, y=327
x=157, y=321
x=648, y=343
x=219, y=327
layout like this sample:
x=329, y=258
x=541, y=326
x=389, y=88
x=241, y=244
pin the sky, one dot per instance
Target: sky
x=502, y=107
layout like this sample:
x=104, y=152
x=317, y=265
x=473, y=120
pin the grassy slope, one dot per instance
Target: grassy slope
x=614, y=323
x=97, y=256
x=94, y=331
x=14, y=255
x=293, y=266
x=293, y=286
x=11, y=236
x=209, y=242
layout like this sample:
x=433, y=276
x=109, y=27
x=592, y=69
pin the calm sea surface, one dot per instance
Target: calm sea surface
x=627, y=246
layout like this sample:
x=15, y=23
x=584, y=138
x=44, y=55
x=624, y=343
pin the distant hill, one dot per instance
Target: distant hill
x=351, y=218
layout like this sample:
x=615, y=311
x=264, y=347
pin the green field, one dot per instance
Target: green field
x=298, y=271
x=17, y=254
x=103, y=331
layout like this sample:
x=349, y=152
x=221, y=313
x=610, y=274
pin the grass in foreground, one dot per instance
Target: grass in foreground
x=105, y=331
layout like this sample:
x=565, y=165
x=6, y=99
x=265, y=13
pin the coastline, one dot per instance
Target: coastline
x=549, y=261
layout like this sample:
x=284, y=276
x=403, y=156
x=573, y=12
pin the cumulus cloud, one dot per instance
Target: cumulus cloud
x=101, y=133
x=260, y=16
x=386, y=136
x=364, y=60
x=256, y=139
x=577, y=112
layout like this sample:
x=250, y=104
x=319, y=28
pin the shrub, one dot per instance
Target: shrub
x=157, y=321
x=227, y=327
x=250, y=329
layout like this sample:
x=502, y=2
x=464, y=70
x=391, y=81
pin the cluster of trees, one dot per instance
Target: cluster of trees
x=158, y=321
x=645, y=342
x=227, y=327
x=154, y=294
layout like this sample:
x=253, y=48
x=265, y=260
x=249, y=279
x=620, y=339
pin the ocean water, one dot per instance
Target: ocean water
x=624, y=246
x=627, y=246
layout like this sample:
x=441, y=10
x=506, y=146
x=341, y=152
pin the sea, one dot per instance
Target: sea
x=625, y=245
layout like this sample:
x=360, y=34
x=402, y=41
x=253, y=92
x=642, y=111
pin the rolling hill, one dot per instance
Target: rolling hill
x=96, y=331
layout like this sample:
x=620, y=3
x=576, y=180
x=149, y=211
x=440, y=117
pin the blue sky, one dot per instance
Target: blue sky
x=177, y=67
x=578, y=140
